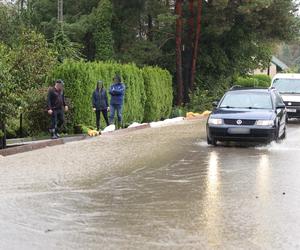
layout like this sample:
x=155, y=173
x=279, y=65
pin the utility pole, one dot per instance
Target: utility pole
x=60, y=9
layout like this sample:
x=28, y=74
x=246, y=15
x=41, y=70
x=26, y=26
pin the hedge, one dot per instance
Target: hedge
x=148, y=90
x=158, y=87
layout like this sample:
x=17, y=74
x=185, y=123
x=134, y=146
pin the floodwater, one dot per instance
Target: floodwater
x=163, y=189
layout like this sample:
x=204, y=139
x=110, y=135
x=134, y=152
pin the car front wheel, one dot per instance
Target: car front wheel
x=283, y=136
x=211, y=141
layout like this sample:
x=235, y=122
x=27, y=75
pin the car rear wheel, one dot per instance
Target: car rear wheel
x=212, y=141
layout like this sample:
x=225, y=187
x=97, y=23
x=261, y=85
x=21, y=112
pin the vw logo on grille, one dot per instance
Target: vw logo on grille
x=239, y=122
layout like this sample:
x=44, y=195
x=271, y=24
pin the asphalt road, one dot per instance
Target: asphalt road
x=161, y=188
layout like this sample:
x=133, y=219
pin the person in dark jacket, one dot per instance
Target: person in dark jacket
x=117, y=92
x=100, y=103
x=56, y=107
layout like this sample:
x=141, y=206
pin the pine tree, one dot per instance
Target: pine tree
x=103, y=34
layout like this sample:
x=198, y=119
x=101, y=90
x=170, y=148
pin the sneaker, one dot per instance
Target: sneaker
x=57, y=135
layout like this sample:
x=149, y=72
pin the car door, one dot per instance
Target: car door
x=280, y=112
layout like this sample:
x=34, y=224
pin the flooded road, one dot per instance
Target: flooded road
x=158, y=188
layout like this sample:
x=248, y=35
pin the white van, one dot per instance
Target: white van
x=288, y=85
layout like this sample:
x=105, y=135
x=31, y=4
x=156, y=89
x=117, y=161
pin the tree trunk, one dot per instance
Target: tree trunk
x=150, y=28
x=191, y=20
x=188, y=53
x=196, y=45
x=179, y=24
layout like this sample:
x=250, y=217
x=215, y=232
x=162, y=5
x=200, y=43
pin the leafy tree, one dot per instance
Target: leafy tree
x=32, y=58
x=7, y=99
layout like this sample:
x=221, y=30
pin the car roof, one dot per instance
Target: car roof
x=251, y=89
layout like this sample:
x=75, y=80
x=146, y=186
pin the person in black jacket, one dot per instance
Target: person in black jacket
x=56, y=107
x=100, y=103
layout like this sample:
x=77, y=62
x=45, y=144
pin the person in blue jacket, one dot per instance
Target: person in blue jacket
x=100, y=103
x=117, y=92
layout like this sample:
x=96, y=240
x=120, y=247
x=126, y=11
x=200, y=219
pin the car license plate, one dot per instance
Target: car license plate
x=291, y=110
x=239, y=131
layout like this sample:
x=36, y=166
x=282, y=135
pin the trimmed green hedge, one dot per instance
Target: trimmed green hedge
x=158, y=86
x=80, y=81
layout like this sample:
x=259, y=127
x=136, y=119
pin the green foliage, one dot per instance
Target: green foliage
x=202, y=100
x=7, y=98
x=254, y=81
x=31, y=59
x=178, y=112
x=36, y=118
x=9, y=24
x=103, y=33
x=158, y=86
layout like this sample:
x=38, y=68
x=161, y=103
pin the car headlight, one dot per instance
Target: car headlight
x=264, y=123
x=215, y=121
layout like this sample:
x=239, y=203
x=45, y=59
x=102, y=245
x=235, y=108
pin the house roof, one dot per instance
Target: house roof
x=279, y=63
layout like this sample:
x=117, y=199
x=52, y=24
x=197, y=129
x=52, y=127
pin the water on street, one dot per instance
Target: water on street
x=161, y=188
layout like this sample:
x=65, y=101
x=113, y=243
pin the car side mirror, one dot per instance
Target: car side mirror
x=215, y=104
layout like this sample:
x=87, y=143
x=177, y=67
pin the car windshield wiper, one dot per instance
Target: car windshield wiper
x=254, y=108
x=228, y=107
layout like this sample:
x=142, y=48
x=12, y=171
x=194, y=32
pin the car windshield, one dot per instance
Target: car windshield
x=247, y=100
x=287, y=86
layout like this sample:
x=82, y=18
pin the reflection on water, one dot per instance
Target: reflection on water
x=212, y=209
x=263, y=174
x=213, y=173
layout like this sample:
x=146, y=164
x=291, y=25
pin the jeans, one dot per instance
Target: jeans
x=57, y=120
x=104, y=113
x=115, y=108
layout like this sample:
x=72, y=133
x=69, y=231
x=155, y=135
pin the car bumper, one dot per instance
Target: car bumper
x=255, y=134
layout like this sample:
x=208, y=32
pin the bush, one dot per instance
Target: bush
x=254, y=81
x=201, y=100
x=148, y=91
x=158, y=86
x=35, y=115
x=178, y=111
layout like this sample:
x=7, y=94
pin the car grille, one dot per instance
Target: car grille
x=292, y=104
x=235, y=122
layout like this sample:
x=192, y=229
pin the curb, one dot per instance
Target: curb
x=127, y=130
x=30, y=147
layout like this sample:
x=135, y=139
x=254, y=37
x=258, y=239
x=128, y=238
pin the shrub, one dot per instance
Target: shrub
x=148, y=91
x=254, y=81
x=178, y=111
x=158, y=86
x=201, y=100
x=80, y=82
x=35, y=116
